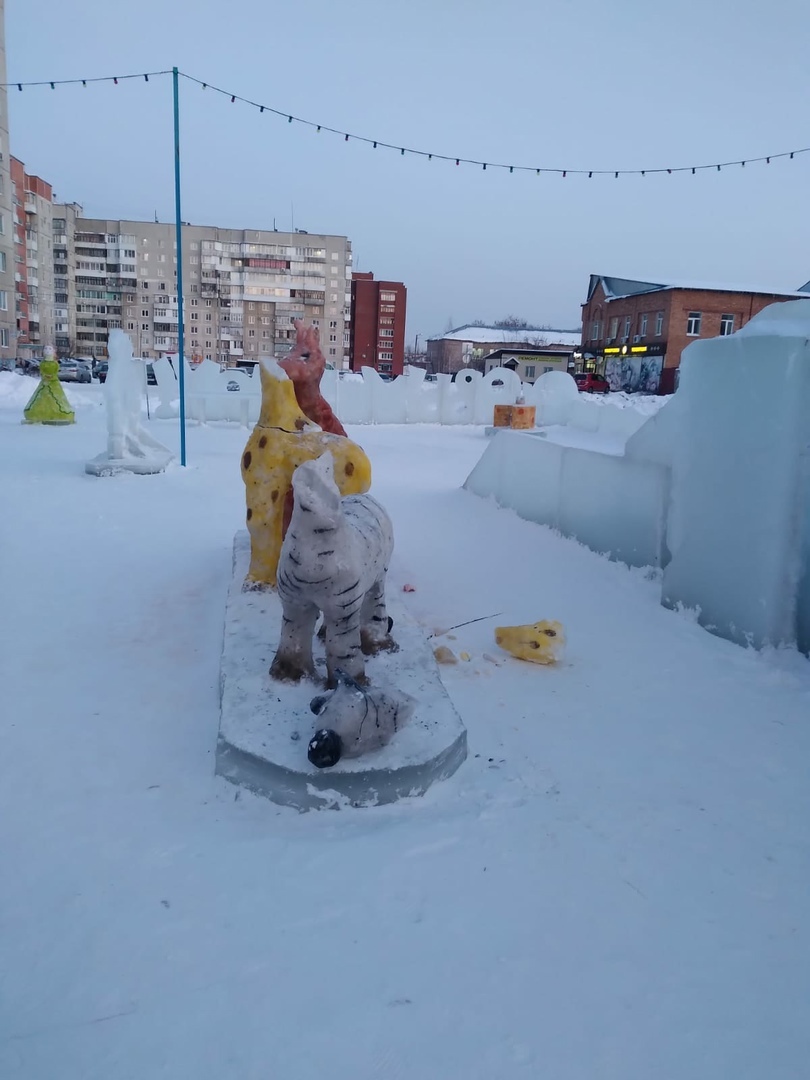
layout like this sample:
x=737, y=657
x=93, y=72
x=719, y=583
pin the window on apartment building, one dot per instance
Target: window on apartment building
x=726, y=324
x=145, y=256
x=265, y=333
x=628, y=323
x=4, y=338
x=333, y=297
x=530, y=371
x=386, y=333
x=334, y=256
x=333, y=337
x=145, y=313
x=160, y=273
x=161, y=243
x=208, y=303
x=194, y=302
x=208, y=317
x=642, y=326
x=613, y=330
x=2, y=224
x=659, y=324
x=333, y=352
x=251, y=318
x=333, y=324
x=251, y=333
x=195, y=259
x=195, y=288
x=194, y=245
x=194, y=316
x=693, y=324
x=381, y=355
x=3, y=300
x=388, y=297
x=144, y=326
x=595, y=330
x=130, y=326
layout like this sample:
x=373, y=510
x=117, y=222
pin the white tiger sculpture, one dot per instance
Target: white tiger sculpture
x=333, y=560
x=355, y=720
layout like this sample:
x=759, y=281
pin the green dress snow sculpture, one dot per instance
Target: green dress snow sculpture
x=48, y=404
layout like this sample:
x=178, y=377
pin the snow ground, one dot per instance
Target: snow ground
x=613, y=886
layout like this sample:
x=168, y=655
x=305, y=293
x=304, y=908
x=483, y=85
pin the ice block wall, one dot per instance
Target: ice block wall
x=738, y=529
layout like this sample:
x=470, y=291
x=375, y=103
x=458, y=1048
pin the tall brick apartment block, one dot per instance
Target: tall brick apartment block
x=378, y=324
x=646, y=318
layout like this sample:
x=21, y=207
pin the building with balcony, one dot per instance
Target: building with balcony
x=32, y=202
x=8, y=320
x=242, y=289
x=377, y=336
x=655, y=321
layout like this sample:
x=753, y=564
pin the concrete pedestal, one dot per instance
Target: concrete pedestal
x=265, y=726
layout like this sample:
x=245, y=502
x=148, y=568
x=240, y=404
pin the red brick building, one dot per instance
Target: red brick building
x=649, y=320
x=31, y=267
x=378, y=324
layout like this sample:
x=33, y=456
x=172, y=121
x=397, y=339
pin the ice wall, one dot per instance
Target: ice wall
x=614, y=505
x=738, y=524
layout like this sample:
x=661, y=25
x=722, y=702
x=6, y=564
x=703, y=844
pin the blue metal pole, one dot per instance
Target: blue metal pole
x=181, y=372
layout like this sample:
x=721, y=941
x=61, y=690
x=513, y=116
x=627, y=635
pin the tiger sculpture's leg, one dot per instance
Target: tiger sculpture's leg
x=375, y=625
x=343, y=645
x=293, y=660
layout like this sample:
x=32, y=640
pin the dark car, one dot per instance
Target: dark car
x=151, y=378
x=101, y=370
x=588, y=382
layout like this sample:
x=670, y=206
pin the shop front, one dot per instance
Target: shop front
x=636, y=369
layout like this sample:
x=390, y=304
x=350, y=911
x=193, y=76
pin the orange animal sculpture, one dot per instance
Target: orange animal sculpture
x=305, y=365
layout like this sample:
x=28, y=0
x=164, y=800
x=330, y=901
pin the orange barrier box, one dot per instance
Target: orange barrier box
x=503, y=416
x=523, y=416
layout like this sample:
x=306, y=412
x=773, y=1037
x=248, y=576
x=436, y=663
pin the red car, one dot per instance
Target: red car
x=588, y=382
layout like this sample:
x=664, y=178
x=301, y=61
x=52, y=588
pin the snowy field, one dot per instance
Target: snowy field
x=613, y=887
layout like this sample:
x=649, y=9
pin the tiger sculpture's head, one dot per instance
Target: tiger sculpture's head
x=355, y=718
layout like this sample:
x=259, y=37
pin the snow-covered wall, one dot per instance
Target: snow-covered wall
x=365, y=398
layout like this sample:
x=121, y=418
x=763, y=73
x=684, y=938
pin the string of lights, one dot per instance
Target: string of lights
x=384, y=144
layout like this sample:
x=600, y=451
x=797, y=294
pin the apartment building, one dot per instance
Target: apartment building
x=377, y=333
x=33, y=260
x=8, y=323
x=654, y=322
x=65, y=216
x=242, y=289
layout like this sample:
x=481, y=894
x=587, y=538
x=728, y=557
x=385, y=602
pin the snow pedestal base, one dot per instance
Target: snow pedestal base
x=143, y=466
x=265, y=726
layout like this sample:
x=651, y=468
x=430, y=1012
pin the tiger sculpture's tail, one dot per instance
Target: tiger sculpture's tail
x=333, y=560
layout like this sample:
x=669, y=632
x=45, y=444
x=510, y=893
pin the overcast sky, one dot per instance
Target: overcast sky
x=580, y=84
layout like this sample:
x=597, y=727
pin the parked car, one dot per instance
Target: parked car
x=588, y=382
x=151, y=378
x=74, y=371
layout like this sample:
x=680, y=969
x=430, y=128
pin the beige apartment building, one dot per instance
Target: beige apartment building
x=8, y=222
x=242, y=289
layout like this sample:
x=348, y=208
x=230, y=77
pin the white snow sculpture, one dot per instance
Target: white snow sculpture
x=130, y=447
x=354, y=720
x=333, y=560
